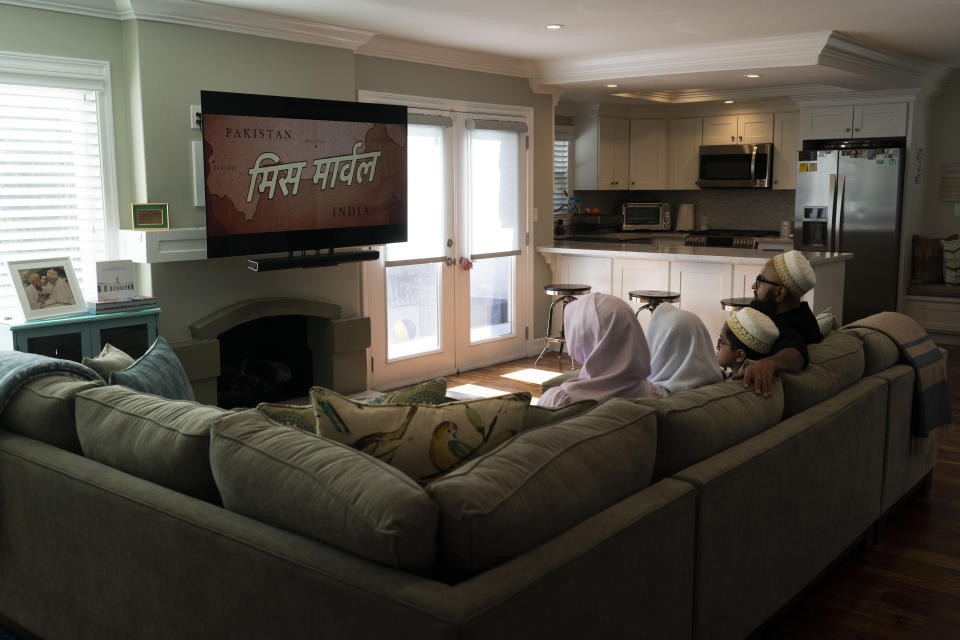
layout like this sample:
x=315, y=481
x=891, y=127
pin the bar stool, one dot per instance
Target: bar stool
x=732, y=305
x=567, y=293
x=653, y=298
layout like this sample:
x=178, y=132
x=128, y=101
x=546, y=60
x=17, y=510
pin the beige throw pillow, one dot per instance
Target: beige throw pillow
x=423, y=441
x=110, y=359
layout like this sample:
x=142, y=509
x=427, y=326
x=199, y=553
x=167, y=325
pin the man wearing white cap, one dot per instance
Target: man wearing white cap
x=777, y=292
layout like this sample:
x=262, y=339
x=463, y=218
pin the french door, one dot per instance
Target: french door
x=455, y=295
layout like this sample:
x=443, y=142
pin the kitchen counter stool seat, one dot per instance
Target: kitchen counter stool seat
x=567, y=293
x=652, y=298
x=732, y=305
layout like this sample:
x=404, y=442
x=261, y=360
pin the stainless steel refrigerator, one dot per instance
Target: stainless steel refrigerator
x=848, y=200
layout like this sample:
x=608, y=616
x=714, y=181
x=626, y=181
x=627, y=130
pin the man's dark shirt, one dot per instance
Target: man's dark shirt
x=798, y=328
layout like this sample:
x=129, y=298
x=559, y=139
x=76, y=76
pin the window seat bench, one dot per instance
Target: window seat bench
x=936, y=307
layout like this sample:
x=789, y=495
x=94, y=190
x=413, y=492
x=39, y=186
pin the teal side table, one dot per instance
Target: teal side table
x=80, y=336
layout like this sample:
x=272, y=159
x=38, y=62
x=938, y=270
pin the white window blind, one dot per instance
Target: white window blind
x=561, y=167
x=51, y=183
x=494, y=190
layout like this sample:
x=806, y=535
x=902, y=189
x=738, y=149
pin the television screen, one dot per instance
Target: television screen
x=291, y=174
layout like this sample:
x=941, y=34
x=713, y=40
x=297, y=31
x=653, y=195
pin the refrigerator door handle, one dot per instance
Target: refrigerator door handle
x=832, y=211
x=841, y=184
x=753, y=165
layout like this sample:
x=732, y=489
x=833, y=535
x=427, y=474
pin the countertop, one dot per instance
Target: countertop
x=688, y=254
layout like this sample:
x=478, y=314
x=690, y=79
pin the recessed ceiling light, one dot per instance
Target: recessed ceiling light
x=728, y=102
x=612, y=86
x=752, y=75
x=554, y=27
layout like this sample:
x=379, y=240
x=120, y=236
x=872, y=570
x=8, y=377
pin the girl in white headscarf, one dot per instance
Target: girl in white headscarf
x=682, y=352
x=602, y=332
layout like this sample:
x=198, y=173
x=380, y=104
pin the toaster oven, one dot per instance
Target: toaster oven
x=646, y=216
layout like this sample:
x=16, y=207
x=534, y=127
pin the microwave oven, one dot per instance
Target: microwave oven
x=646, y=216
x=736, y=165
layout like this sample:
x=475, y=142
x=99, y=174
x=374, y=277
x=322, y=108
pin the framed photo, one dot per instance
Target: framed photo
x=47, y=288
x=150, y=215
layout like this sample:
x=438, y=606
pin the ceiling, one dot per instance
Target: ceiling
x=660, y=51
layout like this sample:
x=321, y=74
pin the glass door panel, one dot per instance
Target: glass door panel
x=414, y=312
x=492, y=298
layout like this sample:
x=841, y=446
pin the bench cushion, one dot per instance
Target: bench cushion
x=542, y=482
x=324, y=490
x=698, y=423
x=934, y=290
x=835, y=364
x=43, y=409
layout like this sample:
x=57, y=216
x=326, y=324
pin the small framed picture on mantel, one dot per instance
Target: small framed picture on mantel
x=150, y=215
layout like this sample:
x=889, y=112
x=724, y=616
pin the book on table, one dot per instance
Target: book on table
x=131, y=303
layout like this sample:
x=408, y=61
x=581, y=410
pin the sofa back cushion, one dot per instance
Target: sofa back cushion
x=542, y=482
x=698, y=423
x=879, y=351
x=539, y=416
x=835, y=364
x=43, y=409
x=323, y=490
x=163, y=441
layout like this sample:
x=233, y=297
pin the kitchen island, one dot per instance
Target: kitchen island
x=701, y=275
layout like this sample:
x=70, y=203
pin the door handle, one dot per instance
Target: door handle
x=841, y=184
x=450, y=261
x=733, y=139
x=741, y=138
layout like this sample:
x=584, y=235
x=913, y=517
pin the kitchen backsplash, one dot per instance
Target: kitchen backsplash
x=724, y=208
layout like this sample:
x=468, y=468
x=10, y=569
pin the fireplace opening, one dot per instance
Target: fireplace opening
x=264, y=360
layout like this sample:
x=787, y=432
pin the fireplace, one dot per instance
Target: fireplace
x=264, y=360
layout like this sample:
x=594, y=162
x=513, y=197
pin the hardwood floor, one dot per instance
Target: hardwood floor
x=906, y=586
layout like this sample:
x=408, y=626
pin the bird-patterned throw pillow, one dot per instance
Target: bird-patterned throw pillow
x=429, y=392
x=423, y=441
x=293, y=415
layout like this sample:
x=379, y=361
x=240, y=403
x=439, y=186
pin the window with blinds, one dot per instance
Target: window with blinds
x=561, y=168
x=51, y=183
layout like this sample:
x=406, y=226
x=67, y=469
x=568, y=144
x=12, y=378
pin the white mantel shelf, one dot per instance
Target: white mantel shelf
x=680, y=254
x=164, y=245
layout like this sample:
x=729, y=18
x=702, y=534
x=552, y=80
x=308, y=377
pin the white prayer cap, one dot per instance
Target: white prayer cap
x=795, y=272
x=754, y=329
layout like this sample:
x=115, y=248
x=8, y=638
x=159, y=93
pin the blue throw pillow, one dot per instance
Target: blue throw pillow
x=158, y=371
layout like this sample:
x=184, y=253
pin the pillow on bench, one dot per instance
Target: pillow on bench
x=323, y=490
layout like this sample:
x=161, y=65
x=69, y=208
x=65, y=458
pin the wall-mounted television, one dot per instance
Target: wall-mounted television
x=295, y=174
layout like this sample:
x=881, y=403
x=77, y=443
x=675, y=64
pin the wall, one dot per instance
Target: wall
x=393, y=76
x=943, y=125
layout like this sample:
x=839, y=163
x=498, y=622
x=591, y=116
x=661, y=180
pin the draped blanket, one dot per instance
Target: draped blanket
x=17, y=369
x=931, y=398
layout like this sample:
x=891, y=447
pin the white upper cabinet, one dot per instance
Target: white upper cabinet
x=613, y=153
x=786, y=144
x=686, y=136
x=854, y=121
x=648, y=154
x=744, y=128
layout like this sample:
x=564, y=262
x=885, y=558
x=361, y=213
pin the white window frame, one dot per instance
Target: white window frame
x=77, y=73
x=564, y=132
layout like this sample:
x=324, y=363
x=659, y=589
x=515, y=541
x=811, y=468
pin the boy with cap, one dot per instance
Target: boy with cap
x=746, y=336
x=777, y=292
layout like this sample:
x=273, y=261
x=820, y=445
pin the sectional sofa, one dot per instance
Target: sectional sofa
x=695, y=516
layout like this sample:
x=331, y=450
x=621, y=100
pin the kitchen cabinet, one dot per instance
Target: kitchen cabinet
x=648, y=154
x=786, y=144
x=601, y=153
x=744, y=128
x=701, y=286
x=854, y=121
x=686, y=136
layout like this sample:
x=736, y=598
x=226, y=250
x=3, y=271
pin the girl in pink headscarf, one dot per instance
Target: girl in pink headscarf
x=602, y=332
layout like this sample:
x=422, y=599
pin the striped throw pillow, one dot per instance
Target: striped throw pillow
x=158, y=371
x=951, y=261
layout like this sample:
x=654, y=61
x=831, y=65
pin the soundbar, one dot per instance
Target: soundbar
x=308, y=261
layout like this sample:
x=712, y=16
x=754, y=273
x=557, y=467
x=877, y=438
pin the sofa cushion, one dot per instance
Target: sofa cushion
x=423, y=441
x=43, y=409
x=158, y=371
x=541, y=483
x=429, y=392
x=697, y=423
x=293, y=415
x=835, y=364
x=879, y=351
x=539, y=416
x=323, y=490
x=163, y=441
x=110, y=359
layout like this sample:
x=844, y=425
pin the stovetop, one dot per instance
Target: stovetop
x=734, y=233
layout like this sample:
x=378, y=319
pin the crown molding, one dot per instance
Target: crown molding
x=712, y=95
x=847, y=54
x=410, y=51
x=212, y=16
x=862, y=97
x=785, y=51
